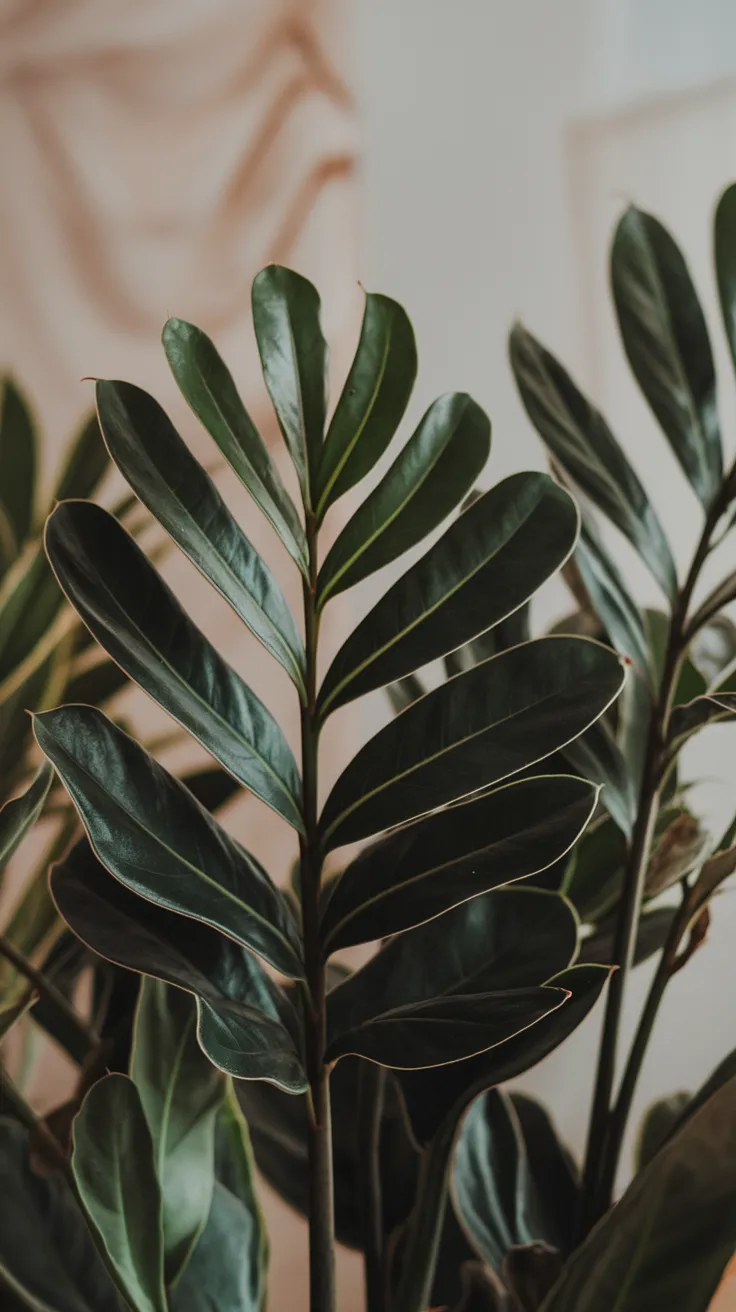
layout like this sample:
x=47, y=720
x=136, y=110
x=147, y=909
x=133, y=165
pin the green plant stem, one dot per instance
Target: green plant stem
x=601, y=1157
x=371, y=1093
x=321, y=1190
x=47, y=990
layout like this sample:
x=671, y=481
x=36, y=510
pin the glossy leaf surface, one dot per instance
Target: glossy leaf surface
x=669, y=1239
x=494, y=720
x=611, y=598
x=115, y=1175
x=373, y=399
x=138, y=620
x=579, y=438
x=237, y=996
x=168, y=479
x=596, y=756
x=397, y=1009
x=666, y=340
x=207, y=385
x=486, y=565
x=294, y=361
x=430, y=475
x=180, y=1092
x=151, y=833
x=422, y=870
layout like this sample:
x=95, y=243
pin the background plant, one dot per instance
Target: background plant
x=384, y=1084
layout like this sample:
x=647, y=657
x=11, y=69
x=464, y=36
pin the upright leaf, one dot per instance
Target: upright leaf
x=207, y=385
x=666, y=340
x=21, y=813
x=580, y=440
x=18, y=457
x=294, y=360
x=486, y=565
x=669, y=1239
x=610, y=596
x=423, y=870
x=373, y=399
x=236, y=995
x=430, y=475
x=149, y=831
x=138, y=620
x=476, y=729
x=176, y=489
x=181, y=1094
x=495, y=948
x=596, y=755
x=220, y=1275
x=235, y=1168
x=115, y=1175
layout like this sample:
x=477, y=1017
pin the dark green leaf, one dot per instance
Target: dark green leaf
x=429, y=477
x=724, y=1071
x=404, y=692
x=181, y=1093
x=176, y=489
x=594, y=880
x=115, y=1175
x=218, y=1279
x=294, y=360
x=614, y=606
x=596, y=756
x=492, y=1185
x=686, y=720
x=207, y=385
x=440, y=1096
x=487, y=564
x=580, y=440
x=235, y=1168
x=489, y=723
x=46, y=1250
x=690, y=682
x=529, y=1272
x=669, y=1239
x=154, y=837
x=492, y=950
x=18, y=457
x=553, y=1170
x=373, y=399
x=86, y=464
x=654, y=927
x=666, y=340
x=21, y=813
x=138, y=620
x=422, y=870
x=660, y=1119
x=235, y=992
x=481, y=1291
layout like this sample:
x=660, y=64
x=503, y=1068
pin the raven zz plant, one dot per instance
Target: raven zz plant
x=372, y=1096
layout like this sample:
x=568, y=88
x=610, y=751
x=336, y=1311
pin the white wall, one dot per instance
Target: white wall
x=499, y=144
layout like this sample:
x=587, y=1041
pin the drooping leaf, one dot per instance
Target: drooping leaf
x=615, y=607
x=489, y=723
x=492, y=1185
x=294, y=360
x=372, y=402
x=422, y=870
x=138, y=620
x=580, y=440
x=680, y=845
x=149, y=831
x=487, y=564
x=494, y=950
x=596, y=755
x=181, y=1093
x=714, y=871
x=115, y=1175
x=18, y=457
x=236, y=995
x=439, y=1097
x=176, y=489
x=659, y=1121
x=85, y=465
x=19, y=815
x=47, y=1255
x=668, y=1240
x=429, y=477
x=666, y=340
x=692, y=716
x=207, y=385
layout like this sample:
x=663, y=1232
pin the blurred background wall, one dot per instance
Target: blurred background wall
x=468, y=158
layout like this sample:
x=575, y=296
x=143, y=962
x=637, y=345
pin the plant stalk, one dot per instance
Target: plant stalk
x=371, y=1093
x=602, y=1151
x=321, y=1190
x=48, y=991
